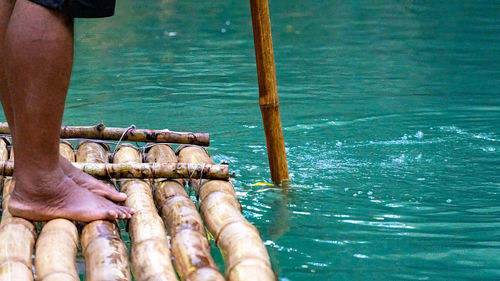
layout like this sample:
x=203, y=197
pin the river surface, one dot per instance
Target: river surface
x=391, y=117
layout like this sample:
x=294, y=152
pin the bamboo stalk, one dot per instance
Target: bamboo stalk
x=66, y=150
x=245, y=255
x=104, y=252
x=192, y=154
x=57, y=244
x=144, y=170
x=4, y=152
x=17, y=237
x=102, y=132
x=56, y=251
x=150, y=252
x=268, y=92
x=190, y=246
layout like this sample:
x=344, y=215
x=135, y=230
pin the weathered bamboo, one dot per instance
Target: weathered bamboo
x=190, y=246
x=245, y=255
x=150, y=252
x=268, y=92
x=4, y=152
x=104, y=252
x=17, y=237
x=127, y=134
x=56, y=251
x=192, y=154
x=57, y=244
x=144, y=170
x=66, y=150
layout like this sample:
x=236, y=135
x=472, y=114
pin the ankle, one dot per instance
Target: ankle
x=36, y=183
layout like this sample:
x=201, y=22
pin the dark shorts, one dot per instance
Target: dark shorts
x=82, y=8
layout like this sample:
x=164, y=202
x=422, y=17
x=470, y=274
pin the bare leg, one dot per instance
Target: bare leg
x=80, y=178
x=6, y=7
x=38, y=53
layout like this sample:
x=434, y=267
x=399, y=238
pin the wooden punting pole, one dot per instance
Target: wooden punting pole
x=56, y=247
x=102, y=132
x=17, y=237
x=245, y=255
x=268, y=92
x=190, y=246
x=104, y=252
x=149, y=251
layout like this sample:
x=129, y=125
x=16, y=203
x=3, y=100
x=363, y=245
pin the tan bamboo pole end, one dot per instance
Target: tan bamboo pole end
x=56, y=247
x=150, y=254
x=268, y=92
x=17, y=238
x=104, y=252
x=245, y=255
x=190, y=246
x=67, y=151
x=102, y=132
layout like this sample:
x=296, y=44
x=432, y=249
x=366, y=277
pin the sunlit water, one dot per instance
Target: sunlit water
x=391, y=116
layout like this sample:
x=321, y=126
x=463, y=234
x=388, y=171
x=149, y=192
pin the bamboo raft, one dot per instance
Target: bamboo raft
x=168, y=233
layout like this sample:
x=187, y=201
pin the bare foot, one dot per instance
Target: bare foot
x=43, y=196
x=90, y=183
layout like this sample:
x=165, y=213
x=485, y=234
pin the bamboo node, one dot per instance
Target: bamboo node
x=100, y=127
x=270, y=105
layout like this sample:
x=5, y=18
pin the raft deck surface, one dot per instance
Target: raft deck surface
x=162, y=206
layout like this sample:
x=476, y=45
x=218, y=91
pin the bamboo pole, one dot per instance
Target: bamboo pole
x=190, y=246
x=150, y=254
x=17, y=237
x=268, y=92
x=245, y=255
x=143, y=170
x=4, y=152
x=102, y=132
x=67, y=151
x=56, y=247
x=56, y=251
x=104, y=252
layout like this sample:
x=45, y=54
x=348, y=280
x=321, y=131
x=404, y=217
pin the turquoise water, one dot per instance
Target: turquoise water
x=391, y=116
